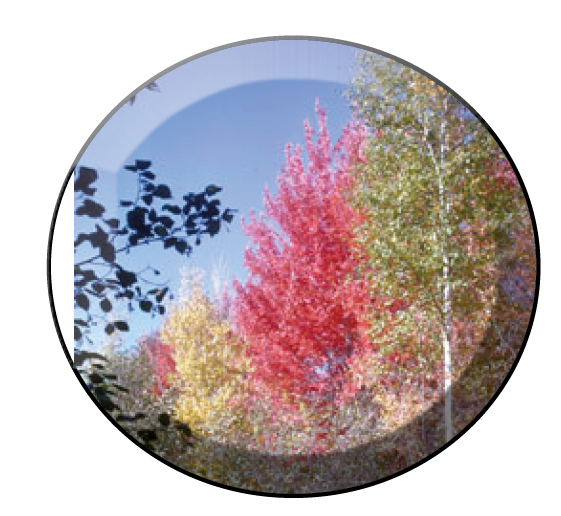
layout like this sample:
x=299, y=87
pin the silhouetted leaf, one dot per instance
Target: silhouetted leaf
x=142, y=164
x=107, y=252
x=166, y=221
x=105, y=305
x=112, y=223
x=228, y=216
x=126, y=278
x=213, y=226
x=136, y=218
x=199, y=201
x=169, y=242
x=161, y=310
x=132, y=168
x=147, y=199
x=176, y=210
x=99, y=238
x=86, y=176
x=124, y=204
x=80, y=322
x=162, y=191
x=82, y=301
x=121, y=325
x=161, y=231
x=77, y=333
x=91, y=209
x=145, y=306
x=82, y=237
x=148, y=175
x=161, y=294
x=109, y=329
x=98, y=287
x=212, y=189
x=181, y=246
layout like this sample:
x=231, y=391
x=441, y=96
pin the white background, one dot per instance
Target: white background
x=67, y=64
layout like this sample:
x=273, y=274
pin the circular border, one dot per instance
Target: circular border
x=279, y=38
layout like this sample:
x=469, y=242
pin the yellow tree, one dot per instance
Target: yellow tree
x=210, y=364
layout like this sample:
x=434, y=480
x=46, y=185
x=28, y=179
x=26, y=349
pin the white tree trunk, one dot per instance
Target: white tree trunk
x=444, y=195
x=446, y=330
x=444, y=201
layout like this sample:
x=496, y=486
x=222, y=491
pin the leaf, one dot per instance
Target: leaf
x=181, y=246
x=166, y=221
x=136, y=218
x=213, y=227
x=77, y=333
x=162, y=191
x=99, y=238
x=148, y=175
x=132, y=168
x=126, y=278
x=147, y=199
x=109, y=329
x=212, y=190
x=82, y=301
x=161, y=294
x=169, y=242
x=125, y=204
x=121, y=325
x=91, y=209
x=161, y=231
x=176, y=210
x=228, y=215
x=145, y=306
x=105, y=305
x=112, y=223
x=86, y=176
x=107, y=252
x=143, y=164
x=82, y=237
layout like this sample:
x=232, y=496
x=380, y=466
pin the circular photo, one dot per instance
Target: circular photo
x=301, y=267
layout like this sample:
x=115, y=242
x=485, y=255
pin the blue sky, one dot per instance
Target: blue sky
x=234, y=138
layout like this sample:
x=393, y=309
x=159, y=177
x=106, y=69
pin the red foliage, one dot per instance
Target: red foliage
x=504, y=175
x=161, y=361
x=303, y=308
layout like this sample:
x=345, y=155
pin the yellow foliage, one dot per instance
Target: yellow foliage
x=210, y=364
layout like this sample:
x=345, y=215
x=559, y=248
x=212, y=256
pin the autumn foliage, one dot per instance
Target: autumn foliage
x=302, y=310
x=160, y=360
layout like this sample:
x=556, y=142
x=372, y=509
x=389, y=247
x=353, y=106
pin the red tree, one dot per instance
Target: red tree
x=303, y=308
x=160, y=358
